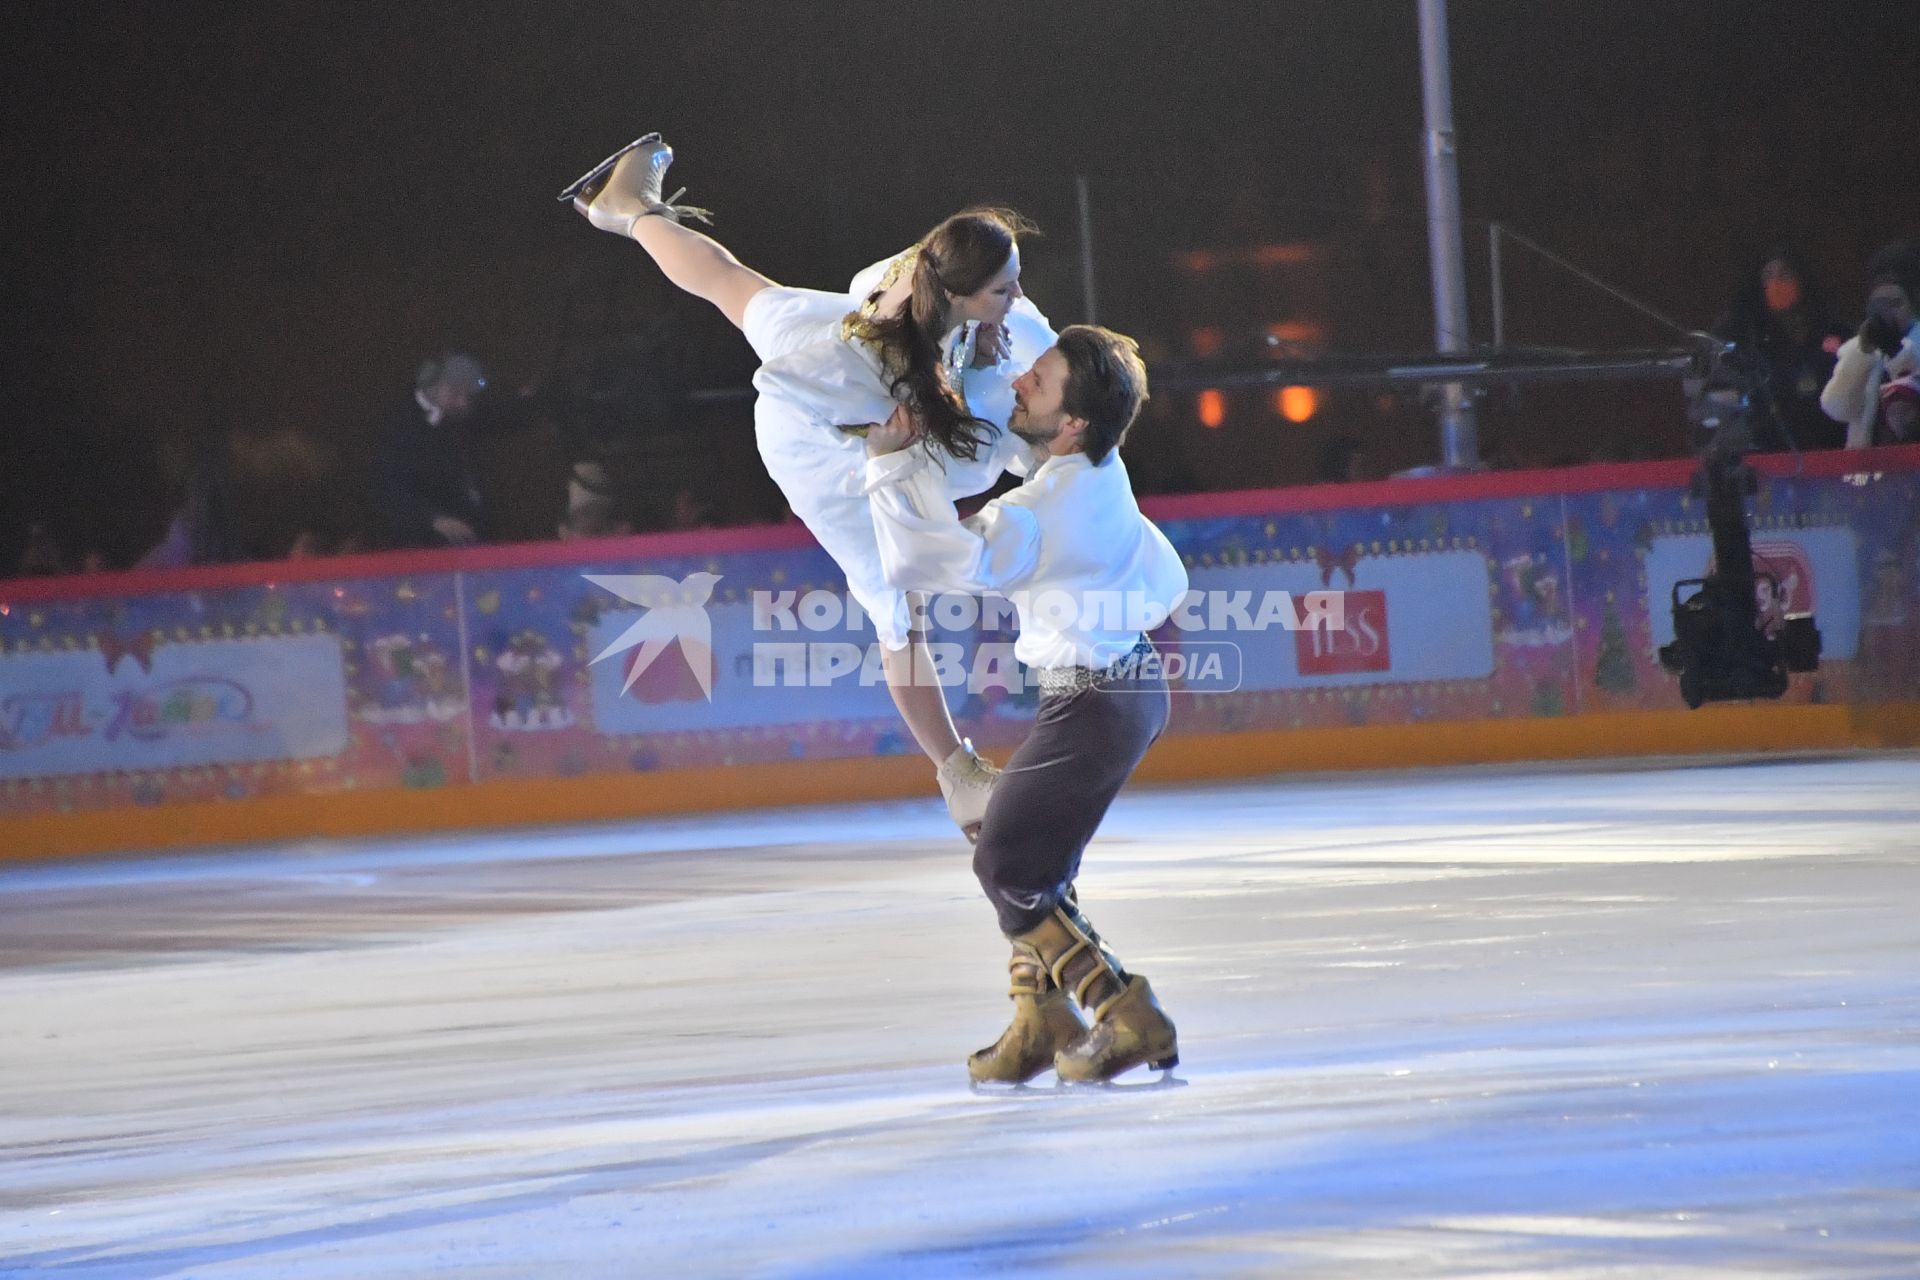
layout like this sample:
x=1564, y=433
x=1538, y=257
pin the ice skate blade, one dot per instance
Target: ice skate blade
x=1064, y=1088
x=601, y=170
x=1008, y=1089
x=1165, y=1080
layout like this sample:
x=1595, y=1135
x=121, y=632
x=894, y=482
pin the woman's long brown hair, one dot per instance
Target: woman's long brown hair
x=960, y=256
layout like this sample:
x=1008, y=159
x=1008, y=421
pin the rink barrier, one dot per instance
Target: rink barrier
x=1736, y=730
x=1501, y=618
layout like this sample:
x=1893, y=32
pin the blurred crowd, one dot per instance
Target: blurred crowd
x=1820, y=384
x=608, y=445
x=613, y=442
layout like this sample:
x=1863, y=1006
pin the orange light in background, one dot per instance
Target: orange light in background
x=1305, y=333
x=1296, y=404
x=1211, y=405
x=1295, y=253
x=1206, y=343
x=1284, y=255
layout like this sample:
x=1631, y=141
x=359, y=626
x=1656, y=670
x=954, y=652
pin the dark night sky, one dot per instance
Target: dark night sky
x=262, y=214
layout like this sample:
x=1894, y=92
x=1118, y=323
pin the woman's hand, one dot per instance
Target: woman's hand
x=893, y=435
x=990, y=345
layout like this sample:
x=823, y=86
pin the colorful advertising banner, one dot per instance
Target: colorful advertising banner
x=1455, y=602
x=131, y=705
x=1419, y=616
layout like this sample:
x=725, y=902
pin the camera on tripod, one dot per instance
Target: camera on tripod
x=1726, y=646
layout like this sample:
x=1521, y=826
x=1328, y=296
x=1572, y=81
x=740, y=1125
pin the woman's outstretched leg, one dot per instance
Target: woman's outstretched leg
x=701, y=265
x=630, y=204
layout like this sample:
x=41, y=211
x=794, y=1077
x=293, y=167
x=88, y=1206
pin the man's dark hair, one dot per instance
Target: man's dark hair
x=1106, y=384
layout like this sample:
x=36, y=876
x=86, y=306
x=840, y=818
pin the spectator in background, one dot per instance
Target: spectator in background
x=202, y=530
x=1899, y=412
x=1781, y=327
x=1340, y=460
x=41, y=557
x=425, y=490
x=591, y=511
x=1887, y=346
x=688, y=512
x=621, y=410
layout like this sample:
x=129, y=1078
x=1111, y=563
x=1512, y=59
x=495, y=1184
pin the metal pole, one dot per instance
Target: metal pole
x=1459, y=433
x=1499, y=287
x=1086, y=249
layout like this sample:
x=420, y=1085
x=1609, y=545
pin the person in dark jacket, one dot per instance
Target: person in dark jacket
x=204, y=529
x=1782, y=328
x=426, y=493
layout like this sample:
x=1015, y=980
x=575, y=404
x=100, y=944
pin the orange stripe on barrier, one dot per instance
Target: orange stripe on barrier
x=396, y=810
x=1722, y=729
x=606, y=797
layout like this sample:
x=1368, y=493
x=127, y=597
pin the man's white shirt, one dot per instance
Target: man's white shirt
x=1087, y=572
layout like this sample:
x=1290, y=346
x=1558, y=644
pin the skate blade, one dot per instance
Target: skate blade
x=1007, y=1089
x=1165, y=1080
x=601, y=170
x=1066, y=1088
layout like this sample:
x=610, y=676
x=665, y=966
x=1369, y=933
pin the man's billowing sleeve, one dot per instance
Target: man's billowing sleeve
x=925, y=546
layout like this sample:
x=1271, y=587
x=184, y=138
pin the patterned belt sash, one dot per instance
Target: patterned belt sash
x=1055, y=681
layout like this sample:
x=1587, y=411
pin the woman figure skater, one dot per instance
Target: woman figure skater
x=939, y=331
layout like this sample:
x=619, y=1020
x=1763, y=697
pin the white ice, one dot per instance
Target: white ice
x=1544, y=1023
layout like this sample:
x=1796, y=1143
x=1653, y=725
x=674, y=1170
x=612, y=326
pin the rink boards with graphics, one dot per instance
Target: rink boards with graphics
x=1511, y=616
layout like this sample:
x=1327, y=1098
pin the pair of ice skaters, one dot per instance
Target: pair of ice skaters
x=875, y=409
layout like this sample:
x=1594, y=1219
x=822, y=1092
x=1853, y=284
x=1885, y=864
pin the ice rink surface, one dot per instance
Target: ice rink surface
x=1647, y=1021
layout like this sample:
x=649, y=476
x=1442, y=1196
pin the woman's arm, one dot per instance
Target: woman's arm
x=924, y=545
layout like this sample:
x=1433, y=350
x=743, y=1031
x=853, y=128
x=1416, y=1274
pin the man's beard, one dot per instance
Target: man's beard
x=1029, y=430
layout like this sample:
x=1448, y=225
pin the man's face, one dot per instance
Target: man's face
x=1039, y=400
x=453, y=399
x=991, y=304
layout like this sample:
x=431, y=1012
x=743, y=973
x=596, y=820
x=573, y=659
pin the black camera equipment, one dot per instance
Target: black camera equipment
x=1724, y=647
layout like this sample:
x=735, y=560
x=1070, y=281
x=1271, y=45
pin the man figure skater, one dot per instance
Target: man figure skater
x=1088, y=576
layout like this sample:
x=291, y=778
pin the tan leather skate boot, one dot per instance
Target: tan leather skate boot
x=1043, y=1024
x=626, y=187
x=1077, y=960
x=1128, y=1027
x=1127, y=1030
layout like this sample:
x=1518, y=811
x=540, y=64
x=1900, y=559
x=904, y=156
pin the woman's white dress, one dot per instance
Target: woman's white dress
x=812, y=381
